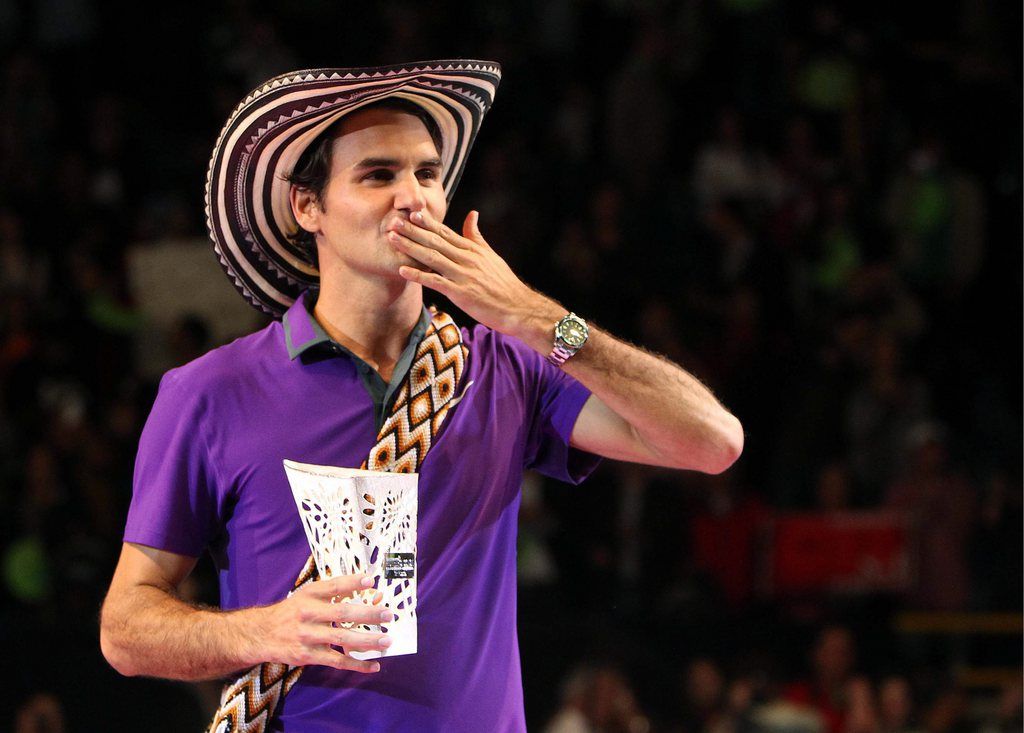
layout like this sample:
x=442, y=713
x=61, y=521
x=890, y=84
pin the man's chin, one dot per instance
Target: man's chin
x=403, y=260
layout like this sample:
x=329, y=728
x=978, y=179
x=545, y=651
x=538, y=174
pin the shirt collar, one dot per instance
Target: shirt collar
x=302, y=332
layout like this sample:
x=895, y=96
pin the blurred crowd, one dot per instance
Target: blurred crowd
x=832, y=697
x=814, y=207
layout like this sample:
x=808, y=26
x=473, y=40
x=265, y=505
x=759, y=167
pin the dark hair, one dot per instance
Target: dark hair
x=312, y=172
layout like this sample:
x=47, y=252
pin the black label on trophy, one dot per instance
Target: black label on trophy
x=399, y=565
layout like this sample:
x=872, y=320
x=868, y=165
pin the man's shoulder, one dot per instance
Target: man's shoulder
x=232, y=363
x=481, y=340
x=506, y=358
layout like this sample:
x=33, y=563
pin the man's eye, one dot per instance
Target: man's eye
x=382, y=174
x=427, y=173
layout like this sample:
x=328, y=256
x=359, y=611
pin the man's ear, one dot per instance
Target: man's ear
x=305, y=208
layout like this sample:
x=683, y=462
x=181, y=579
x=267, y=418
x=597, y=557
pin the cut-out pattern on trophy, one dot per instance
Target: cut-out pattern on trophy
x=364, y=522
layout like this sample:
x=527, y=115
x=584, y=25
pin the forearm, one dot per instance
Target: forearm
x=650, y=411
x=148, y=631
x=674, y=419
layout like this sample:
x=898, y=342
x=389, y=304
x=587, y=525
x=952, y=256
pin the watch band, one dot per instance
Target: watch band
x=558, y=355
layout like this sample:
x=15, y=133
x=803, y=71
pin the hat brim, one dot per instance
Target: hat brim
x=248, y=212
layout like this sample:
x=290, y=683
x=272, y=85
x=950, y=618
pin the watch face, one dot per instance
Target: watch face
x=573, y=332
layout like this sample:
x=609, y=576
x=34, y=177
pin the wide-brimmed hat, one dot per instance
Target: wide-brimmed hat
x=247, y=207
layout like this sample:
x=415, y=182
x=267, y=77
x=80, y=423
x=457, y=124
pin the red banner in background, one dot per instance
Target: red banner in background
x=854, y=552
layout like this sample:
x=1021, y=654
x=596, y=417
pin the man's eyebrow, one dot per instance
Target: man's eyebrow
x=393, y=163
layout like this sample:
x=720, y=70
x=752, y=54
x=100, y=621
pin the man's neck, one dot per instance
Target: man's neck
x=372, y=319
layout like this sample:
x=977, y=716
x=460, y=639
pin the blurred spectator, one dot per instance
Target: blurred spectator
x=735, y=185
x=861, y=709
x=997, y=568
x=44, y=493
x=109, y=184
x=703, y=696
x=28, y=124
x=881, y=412
x=42, y=713
x=509, y=221
x=598, y=700
x=938, y=215
x=879, y=289
x=638, y=142
x=802, y=169
x=1009, y=713
x=726, y=535
x=940, y=503
x=19, y=344
x=578, y=264
x=781, y=716
x=727, y=169
x=947, y=712
x=895, y=705
x=21, y=269
x=27, y=572
x=740, y=700
x=833, y=489
x=572, y=128
x=840, y=252
x=827, y=83
x=827, y=690
x=535, y=565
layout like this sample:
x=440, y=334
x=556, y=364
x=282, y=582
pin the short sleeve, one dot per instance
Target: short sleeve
x=175, y=502
x=559, y=401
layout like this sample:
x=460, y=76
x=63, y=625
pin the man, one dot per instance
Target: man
x=525, y=389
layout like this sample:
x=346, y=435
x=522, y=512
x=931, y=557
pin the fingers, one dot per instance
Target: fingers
x=431, y=233
x=306, y=625
x=343, y=585
x=432, y=259
x=360, y=641
x=328, y=657
x=322, y=608
x=320, y=611
x=423, y=220
x=356, y=613
x=426, y=279
x=350, y=639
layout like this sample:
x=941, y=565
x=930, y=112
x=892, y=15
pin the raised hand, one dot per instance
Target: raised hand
x=465, y=269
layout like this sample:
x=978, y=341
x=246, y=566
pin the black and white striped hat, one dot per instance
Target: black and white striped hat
x=247, y=208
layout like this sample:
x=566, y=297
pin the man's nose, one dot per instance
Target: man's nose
x=409, y=194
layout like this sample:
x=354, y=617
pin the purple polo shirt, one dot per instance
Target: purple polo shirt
x=209, y=475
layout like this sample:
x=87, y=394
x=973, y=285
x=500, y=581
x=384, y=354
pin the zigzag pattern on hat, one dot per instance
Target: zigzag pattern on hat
x=427, y=395
x=313, y=75
x=295, y=77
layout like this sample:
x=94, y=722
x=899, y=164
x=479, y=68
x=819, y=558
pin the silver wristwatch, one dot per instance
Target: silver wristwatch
x=570, y=334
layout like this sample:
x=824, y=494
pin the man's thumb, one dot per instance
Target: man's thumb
x=471, y=229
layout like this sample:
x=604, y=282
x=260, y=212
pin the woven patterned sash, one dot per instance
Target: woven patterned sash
x=249, y=702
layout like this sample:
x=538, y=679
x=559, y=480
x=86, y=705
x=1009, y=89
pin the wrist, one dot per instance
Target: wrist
x=249, y=630
x=534, y=324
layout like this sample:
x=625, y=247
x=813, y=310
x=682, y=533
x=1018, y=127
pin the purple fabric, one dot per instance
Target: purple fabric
x=209, y=476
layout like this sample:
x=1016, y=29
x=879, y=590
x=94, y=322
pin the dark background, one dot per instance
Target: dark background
x=816, y=208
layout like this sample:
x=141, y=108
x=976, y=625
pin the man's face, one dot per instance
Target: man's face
x=384, y=166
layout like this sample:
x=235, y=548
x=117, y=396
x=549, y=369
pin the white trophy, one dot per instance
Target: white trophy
x=364, y=522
